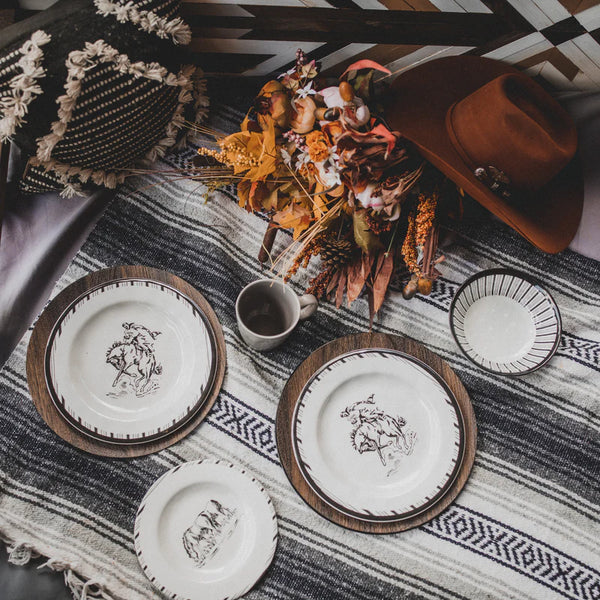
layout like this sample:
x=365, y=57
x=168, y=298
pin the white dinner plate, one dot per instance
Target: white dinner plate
x=130, y=361
x=505, y=322
x=205, y=530
x=378, y=435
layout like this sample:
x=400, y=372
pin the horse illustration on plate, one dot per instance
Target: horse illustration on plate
x=134, y=359
x=209, y=531
x=374, y=430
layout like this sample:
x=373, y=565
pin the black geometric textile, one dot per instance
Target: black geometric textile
x=37, y=180
x=89, y=88
x=555, y=41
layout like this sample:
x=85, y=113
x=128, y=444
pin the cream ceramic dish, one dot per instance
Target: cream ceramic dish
x=378, y=435
x=505, y=322
x=205, y=530
x=130, y=361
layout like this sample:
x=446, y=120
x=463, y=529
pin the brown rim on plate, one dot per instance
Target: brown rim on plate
x=36, y=353
x=329, y=352
x=397, y=516
x=144, y=438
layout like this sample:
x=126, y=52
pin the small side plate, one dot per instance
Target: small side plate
x=505, y=322
x=205, y=530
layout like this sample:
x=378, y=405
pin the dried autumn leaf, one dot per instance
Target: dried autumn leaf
x=268, y=157
x=243, y=190
x=333, y=282
x=357, y=277
x=383, y=275
x=249, y=124
x=367, y=263
x=366, y=64
x=363, y=236
x=371, y=309
x=294, y=217
x=309, y=70
x=256, y=195
x=339, y=295
x=337, y=192
x=319, y=202
x=271, y=201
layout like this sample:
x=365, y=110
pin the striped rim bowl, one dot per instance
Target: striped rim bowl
x=505, y=322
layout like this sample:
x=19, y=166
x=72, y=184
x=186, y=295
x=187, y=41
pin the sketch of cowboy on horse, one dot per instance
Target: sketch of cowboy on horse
x=133, y=357
x=373, y=430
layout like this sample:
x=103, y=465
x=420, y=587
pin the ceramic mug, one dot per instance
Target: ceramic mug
x=267, y=311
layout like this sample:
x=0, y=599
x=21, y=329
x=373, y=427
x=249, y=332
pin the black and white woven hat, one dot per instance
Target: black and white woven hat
x=89, y=88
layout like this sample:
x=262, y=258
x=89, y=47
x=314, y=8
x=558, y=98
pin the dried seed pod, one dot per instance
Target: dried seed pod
x=335, y=253
x=424, y=285
x=346, y=91
x=328, y=114
x=409, y=290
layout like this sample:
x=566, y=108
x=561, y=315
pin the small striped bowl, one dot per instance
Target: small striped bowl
x=505, y=322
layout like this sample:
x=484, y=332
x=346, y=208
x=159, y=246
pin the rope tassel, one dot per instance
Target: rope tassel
x=20, y=554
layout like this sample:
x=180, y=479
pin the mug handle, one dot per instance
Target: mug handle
x=308, y=306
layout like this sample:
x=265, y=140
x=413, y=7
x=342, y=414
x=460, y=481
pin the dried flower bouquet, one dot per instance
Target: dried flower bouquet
x=319, y=161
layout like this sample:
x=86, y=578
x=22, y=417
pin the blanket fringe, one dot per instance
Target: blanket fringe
x=84, y=590
x=20, y=553
x=201, y=105
x=176, y=29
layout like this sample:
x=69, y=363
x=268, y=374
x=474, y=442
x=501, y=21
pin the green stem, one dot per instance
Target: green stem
x=392, y=239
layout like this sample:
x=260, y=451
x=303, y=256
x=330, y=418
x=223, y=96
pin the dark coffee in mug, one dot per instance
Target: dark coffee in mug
x=264, y=310
x=268, y=310
x=268, y=320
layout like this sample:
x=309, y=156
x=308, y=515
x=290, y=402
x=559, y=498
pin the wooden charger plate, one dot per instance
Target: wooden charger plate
x=36, y=353
x=285, y=417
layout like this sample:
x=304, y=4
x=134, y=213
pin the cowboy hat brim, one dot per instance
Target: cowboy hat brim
x=418, y=103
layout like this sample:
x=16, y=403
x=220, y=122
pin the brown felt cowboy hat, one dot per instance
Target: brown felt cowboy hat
x=500, y=137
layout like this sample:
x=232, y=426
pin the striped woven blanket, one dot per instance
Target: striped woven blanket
x=526, y=525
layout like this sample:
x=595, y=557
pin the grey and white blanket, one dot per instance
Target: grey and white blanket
x=526, y=525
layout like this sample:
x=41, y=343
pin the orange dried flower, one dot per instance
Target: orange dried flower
x=317, y=146
x=425, y=217
x=318, y=152
x=314, y=136
x=307, y=170
x=302, y=258
x=376, y=224
x=318, y=285
x=409, y=247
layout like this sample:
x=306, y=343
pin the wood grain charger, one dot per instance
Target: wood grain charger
x=37, y=349
x=285, y=416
